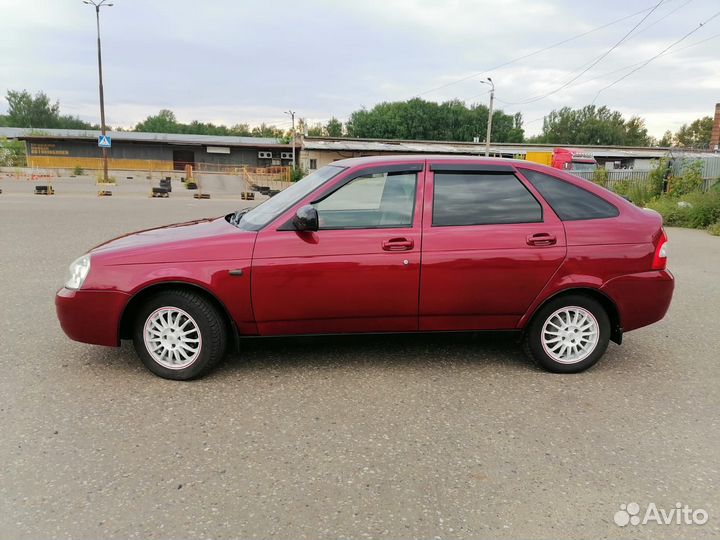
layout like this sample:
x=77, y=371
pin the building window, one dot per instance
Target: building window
x=313, y=164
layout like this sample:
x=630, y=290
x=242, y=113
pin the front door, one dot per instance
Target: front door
x=360, y=272
x=489, y=247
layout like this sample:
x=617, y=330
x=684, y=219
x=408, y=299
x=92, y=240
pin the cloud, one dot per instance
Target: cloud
x=227, y=61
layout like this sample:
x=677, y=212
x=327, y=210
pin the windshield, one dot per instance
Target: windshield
x=261, y=215
x=583, y=166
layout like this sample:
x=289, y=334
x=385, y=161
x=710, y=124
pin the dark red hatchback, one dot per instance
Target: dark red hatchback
x=396, y=244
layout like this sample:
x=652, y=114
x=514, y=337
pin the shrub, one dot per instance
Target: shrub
x=12, y=153
x=673, y=215
x=690, y=180
x=297, y=173
x=110, y=180
x=621, y=187
x=704, y=209
x=697, y=210
x=600, y=176
x=714, y=229
x=657, y=176
x=638, y=193
x=78, y=170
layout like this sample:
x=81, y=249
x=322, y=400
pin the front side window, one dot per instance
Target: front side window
x=372, y=201
x=570, y=202
x=469, y=198
x=583, y=166
x=261, y=215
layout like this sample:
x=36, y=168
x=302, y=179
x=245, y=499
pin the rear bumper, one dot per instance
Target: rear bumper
x=642, y=298
x=91, y=316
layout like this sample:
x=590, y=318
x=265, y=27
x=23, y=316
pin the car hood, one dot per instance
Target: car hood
x=207, y=239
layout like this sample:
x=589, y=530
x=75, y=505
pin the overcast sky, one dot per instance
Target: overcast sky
x=229, y=61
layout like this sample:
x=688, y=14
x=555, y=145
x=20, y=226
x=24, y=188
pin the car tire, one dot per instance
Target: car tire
x=179, y=335
x=569, y=334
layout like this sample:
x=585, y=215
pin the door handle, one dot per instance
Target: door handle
x=541, y=239
x=398, y=244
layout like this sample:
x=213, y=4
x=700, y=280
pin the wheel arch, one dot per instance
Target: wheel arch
x=605, y=301
x=136, y=301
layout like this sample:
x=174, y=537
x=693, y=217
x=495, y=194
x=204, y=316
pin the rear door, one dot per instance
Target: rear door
x=490, y=244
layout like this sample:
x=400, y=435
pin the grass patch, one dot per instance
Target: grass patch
x=695, y=210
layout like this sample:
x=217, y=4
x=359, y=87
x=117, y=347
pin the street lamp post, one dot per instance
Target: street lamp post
x=292, y=115
x=97, y=5
x=490, y=115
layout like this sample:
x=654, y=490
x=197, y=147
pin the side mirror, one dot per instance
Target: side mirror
x=306, y=218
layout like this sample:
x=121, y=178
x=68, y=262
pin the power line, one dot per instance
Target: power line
x=538, y=51
x=342, y=118
x=602, y=76
x=691, y=32
x=714, y=36
x=645, y=29
x=588, y=68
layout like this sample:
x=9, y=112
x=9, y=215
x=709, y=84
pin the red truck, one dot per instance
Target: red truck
x=564, y=159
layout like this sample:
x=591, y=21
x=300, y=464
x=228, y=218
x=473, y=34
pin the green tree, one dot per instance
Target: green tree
x=697, y=134
x=165, y=121
x=334, y=128
x=666, y=140
x=162, y=122
x=592, y=125
x=264, y=130
x=427, y=120
x=240, y=130
x=26, y=110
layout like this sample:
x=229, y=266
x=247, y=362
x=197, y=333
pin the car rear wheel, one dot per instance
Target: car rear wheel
x=179, y=335
x=568, y=334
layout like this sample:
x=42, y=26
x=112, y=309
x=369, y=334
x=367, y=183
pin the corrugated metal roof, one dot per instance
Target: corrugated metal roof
x=167, y=138
x=443, y=147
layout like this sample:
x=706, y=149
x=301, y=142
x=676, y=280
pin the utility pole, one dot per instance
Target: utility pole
x=292, y=115
x=490, y=115
x=97, y=5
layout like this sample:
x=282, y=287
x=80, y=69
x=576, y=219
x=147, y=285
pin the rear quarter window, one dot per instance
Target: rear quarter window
x=570, y=202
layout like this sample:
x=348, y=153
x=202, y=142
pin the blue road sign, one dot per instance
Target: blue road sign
x=104, y=141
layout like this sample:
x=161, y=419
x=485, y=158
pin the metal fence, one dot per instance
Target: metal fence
x=631, y=178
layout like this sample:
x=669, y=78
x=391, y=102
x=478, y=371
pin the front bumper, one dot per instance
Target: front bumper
x=91, y=316
x=642, y=298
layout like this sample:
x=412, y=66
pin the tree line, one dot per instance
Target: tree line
x=416, y=118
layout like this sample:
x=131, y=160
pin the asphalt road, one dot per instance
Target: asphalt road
x=449, y=436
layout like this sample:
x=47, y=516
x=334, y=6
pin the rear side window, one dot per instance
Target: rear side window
x=467, y=198
x=570, y=203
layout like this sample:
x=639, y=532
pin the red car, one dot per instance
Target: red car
x=391, y=244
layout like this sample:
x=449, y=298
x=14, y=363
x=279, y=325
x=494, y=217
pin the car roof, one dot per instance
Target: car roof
x=416, y=158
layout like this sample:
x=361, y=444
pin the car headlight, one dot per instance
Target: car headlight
x=79, y=270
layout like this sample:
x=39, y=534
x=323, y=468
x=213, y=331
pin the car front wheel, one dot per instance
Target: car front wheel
x=179, y=335
x=569, y=334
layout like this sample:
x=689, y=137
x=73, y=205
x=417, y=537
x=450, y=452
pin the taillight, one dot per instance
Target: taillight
x=660, y=257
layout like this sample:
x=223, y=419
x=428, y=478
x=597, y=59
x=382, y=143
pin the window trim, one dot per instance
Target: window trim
x=522, y=171
x=499, y=172
x=410, y=167
x=471, y=167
